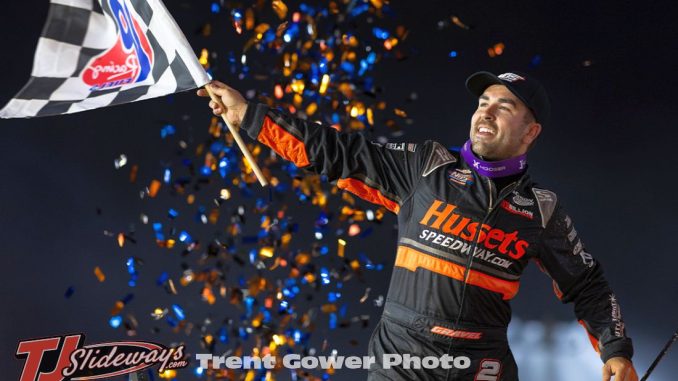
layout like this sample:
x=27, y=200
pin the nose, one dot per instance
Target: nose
x=487, y=114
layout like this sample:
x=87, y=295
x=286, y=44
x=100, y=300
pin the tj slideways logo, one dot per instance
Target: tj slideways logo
x=64, y=358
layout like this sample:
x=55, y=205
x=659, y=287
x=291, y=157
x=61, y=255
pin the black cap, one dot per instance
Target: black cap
x=526, y=88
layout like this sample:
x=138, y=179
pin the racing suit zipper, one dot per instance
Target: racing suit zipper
x=467, y=270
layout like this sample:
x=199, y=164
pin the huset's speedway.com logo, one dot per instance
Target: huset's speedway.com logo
x=130, y=60
x=63, y=358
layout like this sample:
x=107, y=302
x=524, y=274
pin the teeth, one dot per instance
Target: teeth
x=484, y=129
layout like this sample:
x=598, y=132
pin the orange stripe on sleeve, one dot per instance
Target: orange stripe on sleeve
x=283, y=143
x=592, y=338
x=368, y=193
x=412, y=259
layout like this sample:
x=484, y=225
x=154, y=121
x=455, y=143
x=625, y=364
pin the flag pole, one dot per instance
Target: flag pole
x=238, y=139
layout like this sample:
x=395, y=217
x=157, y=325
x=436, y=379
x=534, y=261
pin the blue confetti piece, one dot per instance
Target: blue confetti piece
x=185, y=237
x=324, y=275
x=347, y=67
x=115, y=321
x=167, y=130
x=453, y=54
x=222, y=335
x=380, y=33
x=199, y=371
x=243, y=333
x=215, y=8
x=171, y=321
x=164, y=277
x=333, y=321
x=128, y=298
x=172, y=213
x=167, y=176
x=249, y=304
x=205, y=170
x=178, y=312
x=360, y=9
x=69, y=292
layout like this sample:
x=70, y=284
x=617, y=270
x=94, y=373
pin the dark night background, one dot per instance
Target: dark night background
x=608, y=152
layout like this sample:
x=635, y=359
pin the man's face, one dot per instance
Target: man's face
x=500, y=126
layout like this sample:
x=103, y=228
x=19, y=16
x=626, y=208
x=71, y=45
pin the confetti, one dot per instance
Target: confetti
x=154, y=188
x=99, y=274
x=120, y=161
x=255, y=270
x=456, y=21
x=496, y=50
x=366, y=295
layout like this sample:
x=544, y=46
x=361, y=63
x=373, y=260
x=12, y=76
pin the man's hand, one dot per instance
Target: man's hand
x=232, y=100
x=621, y=368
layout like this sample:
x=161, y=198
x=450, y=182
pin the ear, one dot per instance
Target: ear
x=533, y=131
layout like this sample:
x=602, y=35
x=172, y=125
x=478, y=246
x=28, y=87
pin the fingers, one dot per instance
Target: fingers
x=633, y=376
x=623, y=374
x=219, y=88
x=216, y=108
x=607, y=373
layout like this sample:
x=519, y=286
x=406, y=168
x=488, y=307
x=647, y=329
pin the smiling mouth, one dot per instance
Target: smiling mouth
x=485, y=131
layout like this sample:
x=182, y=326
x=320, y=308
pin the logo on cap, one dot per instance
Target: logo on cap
x=510, y=77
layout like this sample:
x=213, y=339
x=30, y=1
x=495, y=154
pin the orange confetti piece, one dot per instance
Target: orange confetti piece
x=117, y=307
x=324, y=82
x=278, y=92
x=204, y=58
x=279, y=8
x=99, y=274
x=249, y=19
x=266, y=252
x=328, y=308
x=133, y=173
x=496, y=50
x=353, y=230
x=121, y=239
x=390, y=43
x=154, y=188
x=167, y=374
x=341, y=247
x=456, y=21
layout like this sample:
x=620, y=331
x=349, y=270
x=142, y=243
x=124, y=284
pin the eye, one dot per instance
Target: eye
x=504, y=108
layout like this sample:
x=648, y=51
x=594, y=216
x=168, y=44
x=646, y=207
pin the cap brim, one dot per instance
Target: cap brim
x=478, y=82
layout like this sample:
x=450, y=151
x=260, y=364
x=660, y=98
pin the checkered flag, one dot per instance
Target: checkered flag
x=97, y=53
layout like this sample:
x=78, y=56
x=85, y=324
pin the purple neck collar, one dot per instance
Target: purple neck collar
x=493, y=169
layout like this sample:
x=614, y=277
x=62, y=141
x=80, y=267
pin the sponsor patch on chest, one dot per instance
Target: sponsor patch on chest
x=507, y=206
x=460, y=176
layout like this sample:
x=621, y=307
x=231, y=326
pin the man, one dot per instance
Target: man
x=442, y=300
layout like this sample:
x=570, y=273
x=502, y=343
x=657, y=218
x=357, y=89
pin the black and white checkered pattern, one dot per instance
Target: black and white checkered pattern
x=77, y=31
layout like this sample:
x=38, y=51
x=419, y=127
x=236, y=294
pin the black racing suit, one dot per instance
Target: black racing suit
x=445, y=211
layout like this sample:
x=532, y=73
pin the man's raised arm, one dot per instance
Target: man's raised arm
x=381, y=174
